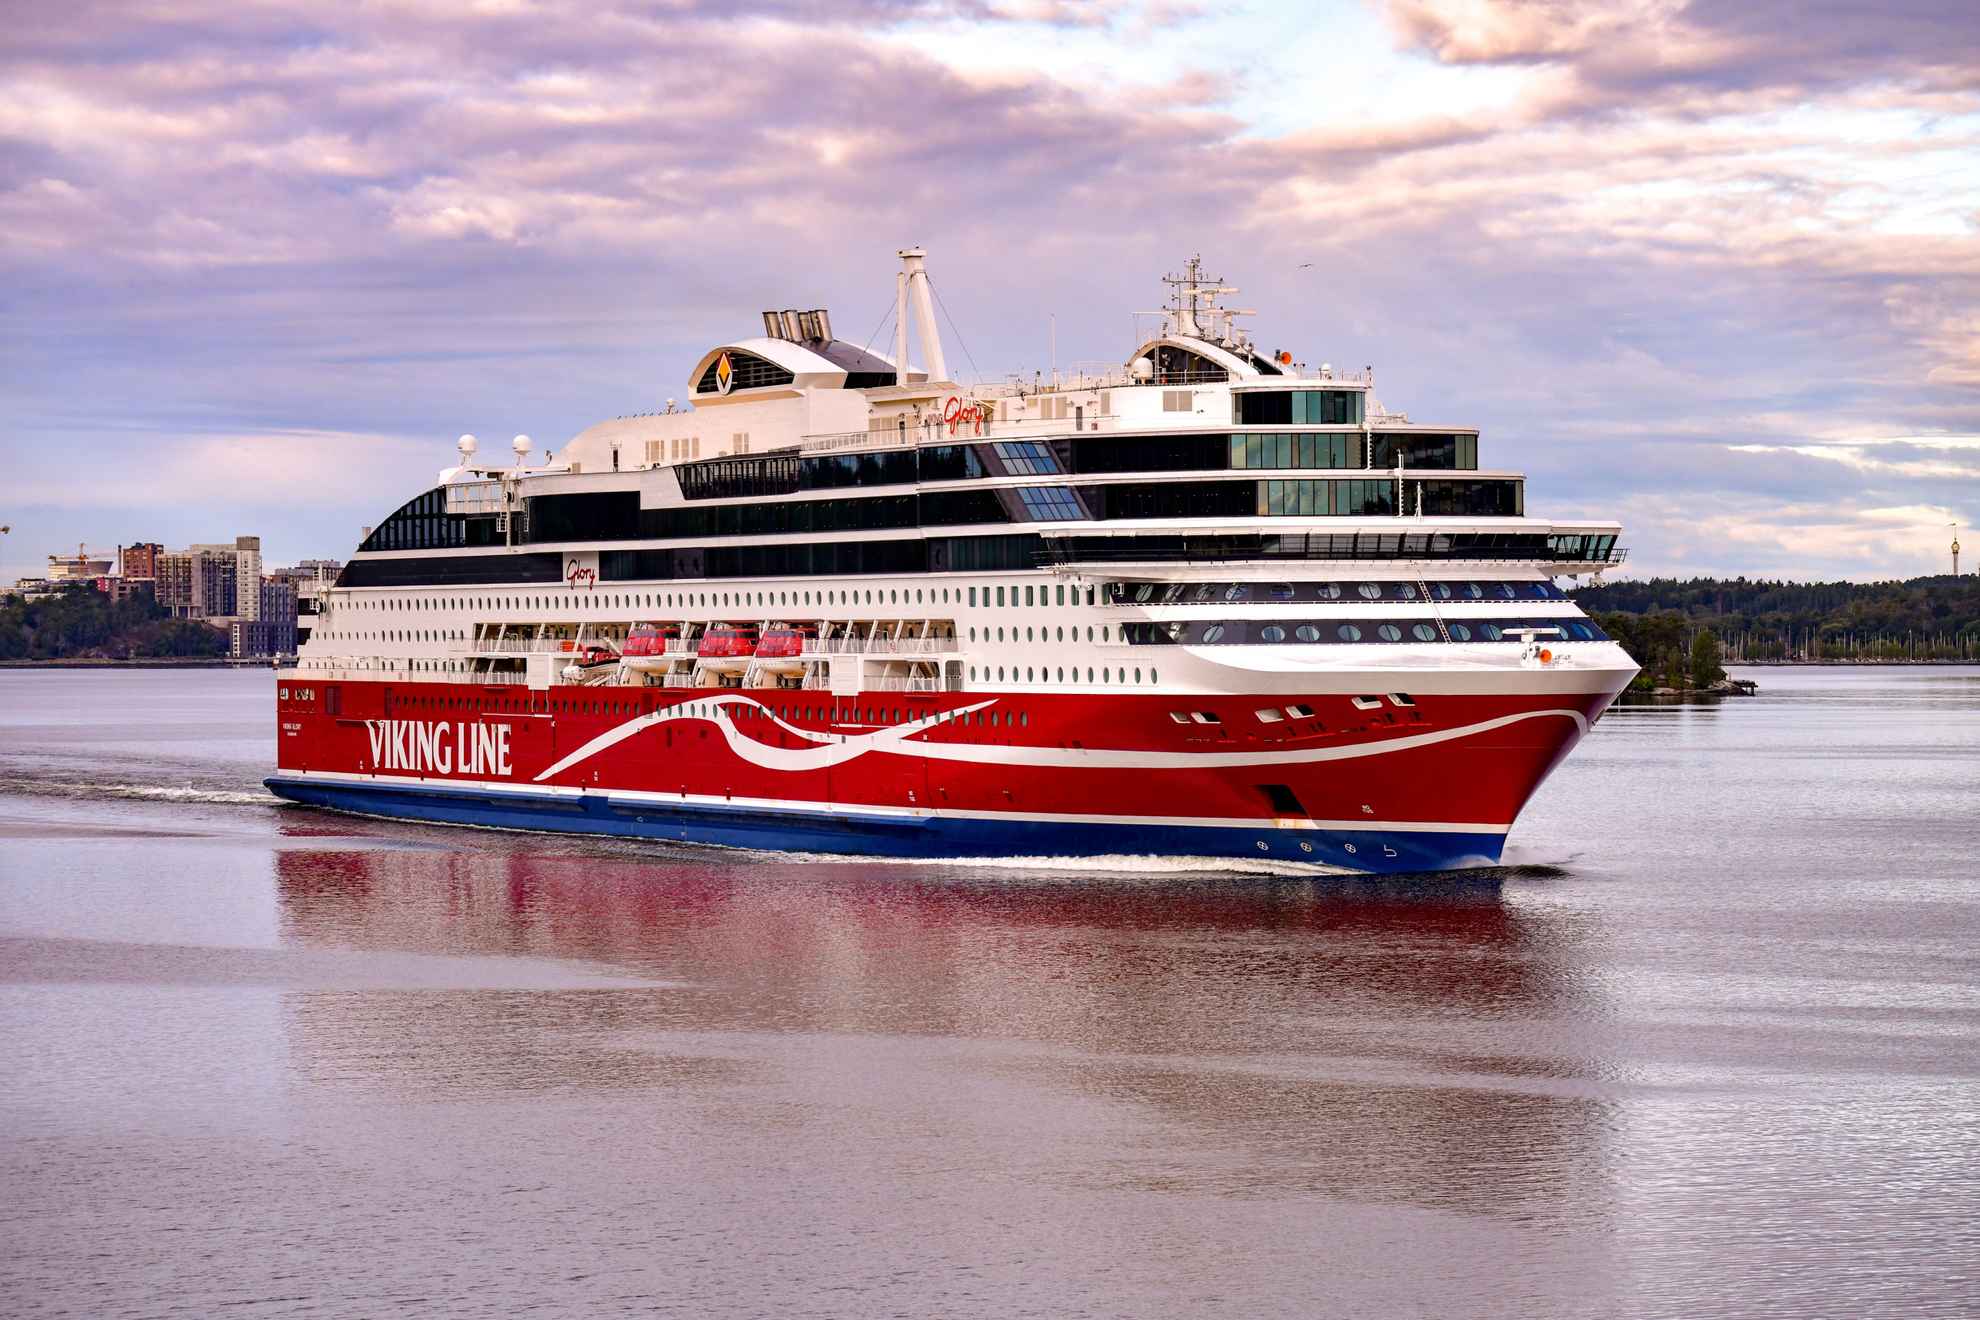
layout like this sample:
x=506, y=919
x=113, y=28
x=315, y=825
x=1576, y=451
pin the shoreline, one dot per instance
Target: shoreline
x=1840, y=663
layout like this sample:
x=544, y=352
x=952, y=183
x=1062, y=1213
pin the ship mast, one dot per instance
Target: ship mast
x=912, y=284
x=1193, y=310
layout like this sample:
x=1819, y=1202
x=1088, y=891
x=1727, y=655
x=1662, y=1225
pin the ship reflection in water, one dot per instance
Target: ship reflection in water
x=1358, y=1042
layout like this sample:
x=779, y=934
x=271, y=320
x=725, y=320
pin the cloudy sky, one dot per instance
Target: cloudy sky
x=1712, y=268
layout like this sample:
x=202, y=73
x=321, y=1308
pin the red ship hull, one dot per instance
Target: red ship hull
x=1405, y=783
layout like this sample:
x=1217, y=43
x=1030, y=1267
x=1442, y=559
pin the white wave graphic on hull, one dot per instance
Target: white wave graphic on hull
x=835, y=749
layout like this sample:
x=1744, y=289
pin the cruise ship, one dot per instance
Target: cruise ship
x=1212, y=602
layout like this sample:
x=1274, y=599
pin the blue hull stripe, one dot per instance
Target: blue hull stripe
x=861, y=834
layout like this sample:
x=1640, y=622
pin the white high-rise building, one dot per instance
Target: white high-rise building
x=247, y=576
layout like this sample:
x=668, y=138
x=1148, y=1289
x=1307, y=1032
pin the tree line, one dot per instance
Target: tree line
x=1928, y=618
x=83, y=623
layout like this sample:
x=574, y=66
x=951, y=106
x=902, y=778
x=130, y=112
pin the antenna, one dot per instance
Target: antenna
x=1193, y=309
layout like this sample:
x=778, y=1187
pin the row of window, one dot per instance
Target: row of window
x=1309, y=499
x=1285, y=593
x=958, y=554
x=617, y=515
x=1337, y=449
x=1301, y=408
x=1040, y=595
x=1058, y=674
x=1317, y=632
x=1593, y=547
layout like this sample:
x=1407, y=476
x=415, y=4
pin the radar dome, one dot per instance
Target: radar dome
x=1142, y=369
x=521, y=445
x=466, y=445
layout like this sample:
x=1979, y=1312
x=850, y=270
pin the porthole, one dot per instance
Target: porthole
x=1272, y=632
x=1460, y=632
x=1423, y=632
x=1347, y=632
x=1306, y=632
x=1214, y=633
x=1490, y=632
x=1369, y=591
x=1388, y=632
x=1406, y=590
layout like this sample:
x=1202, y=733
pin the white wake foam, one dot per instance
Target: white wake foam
x=139, y=792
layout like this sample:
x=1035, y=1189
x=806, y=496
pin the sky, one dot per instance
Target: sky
x=1708, y=267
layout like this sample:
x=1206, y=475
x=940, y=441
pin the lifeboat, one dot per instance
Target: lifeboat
x=727, y=641
x=785, y=641
x=646, y=646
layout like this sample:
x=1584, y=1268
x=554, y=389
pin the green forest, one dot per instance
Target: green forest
x=1659, y=619
x=83, y=624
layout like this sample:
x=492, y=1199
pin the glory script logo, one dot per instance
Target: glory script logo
x=577, y=575
x=957, y=413
x=439, y=747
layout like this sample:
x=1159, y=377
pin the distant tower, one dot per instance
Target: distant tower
x=1955, y=528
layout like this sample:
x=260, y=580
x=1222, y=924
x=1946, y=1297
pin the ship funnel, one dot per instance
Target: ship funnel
x=812, y=327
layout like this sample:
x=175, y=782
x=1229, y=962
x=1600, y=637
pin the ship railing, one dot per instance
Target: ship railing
x=904, y=683
x=879, y=645
x=678, y=680
x=357, y=673
x=514, y=646
x=938, y=432
x=836, y=645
